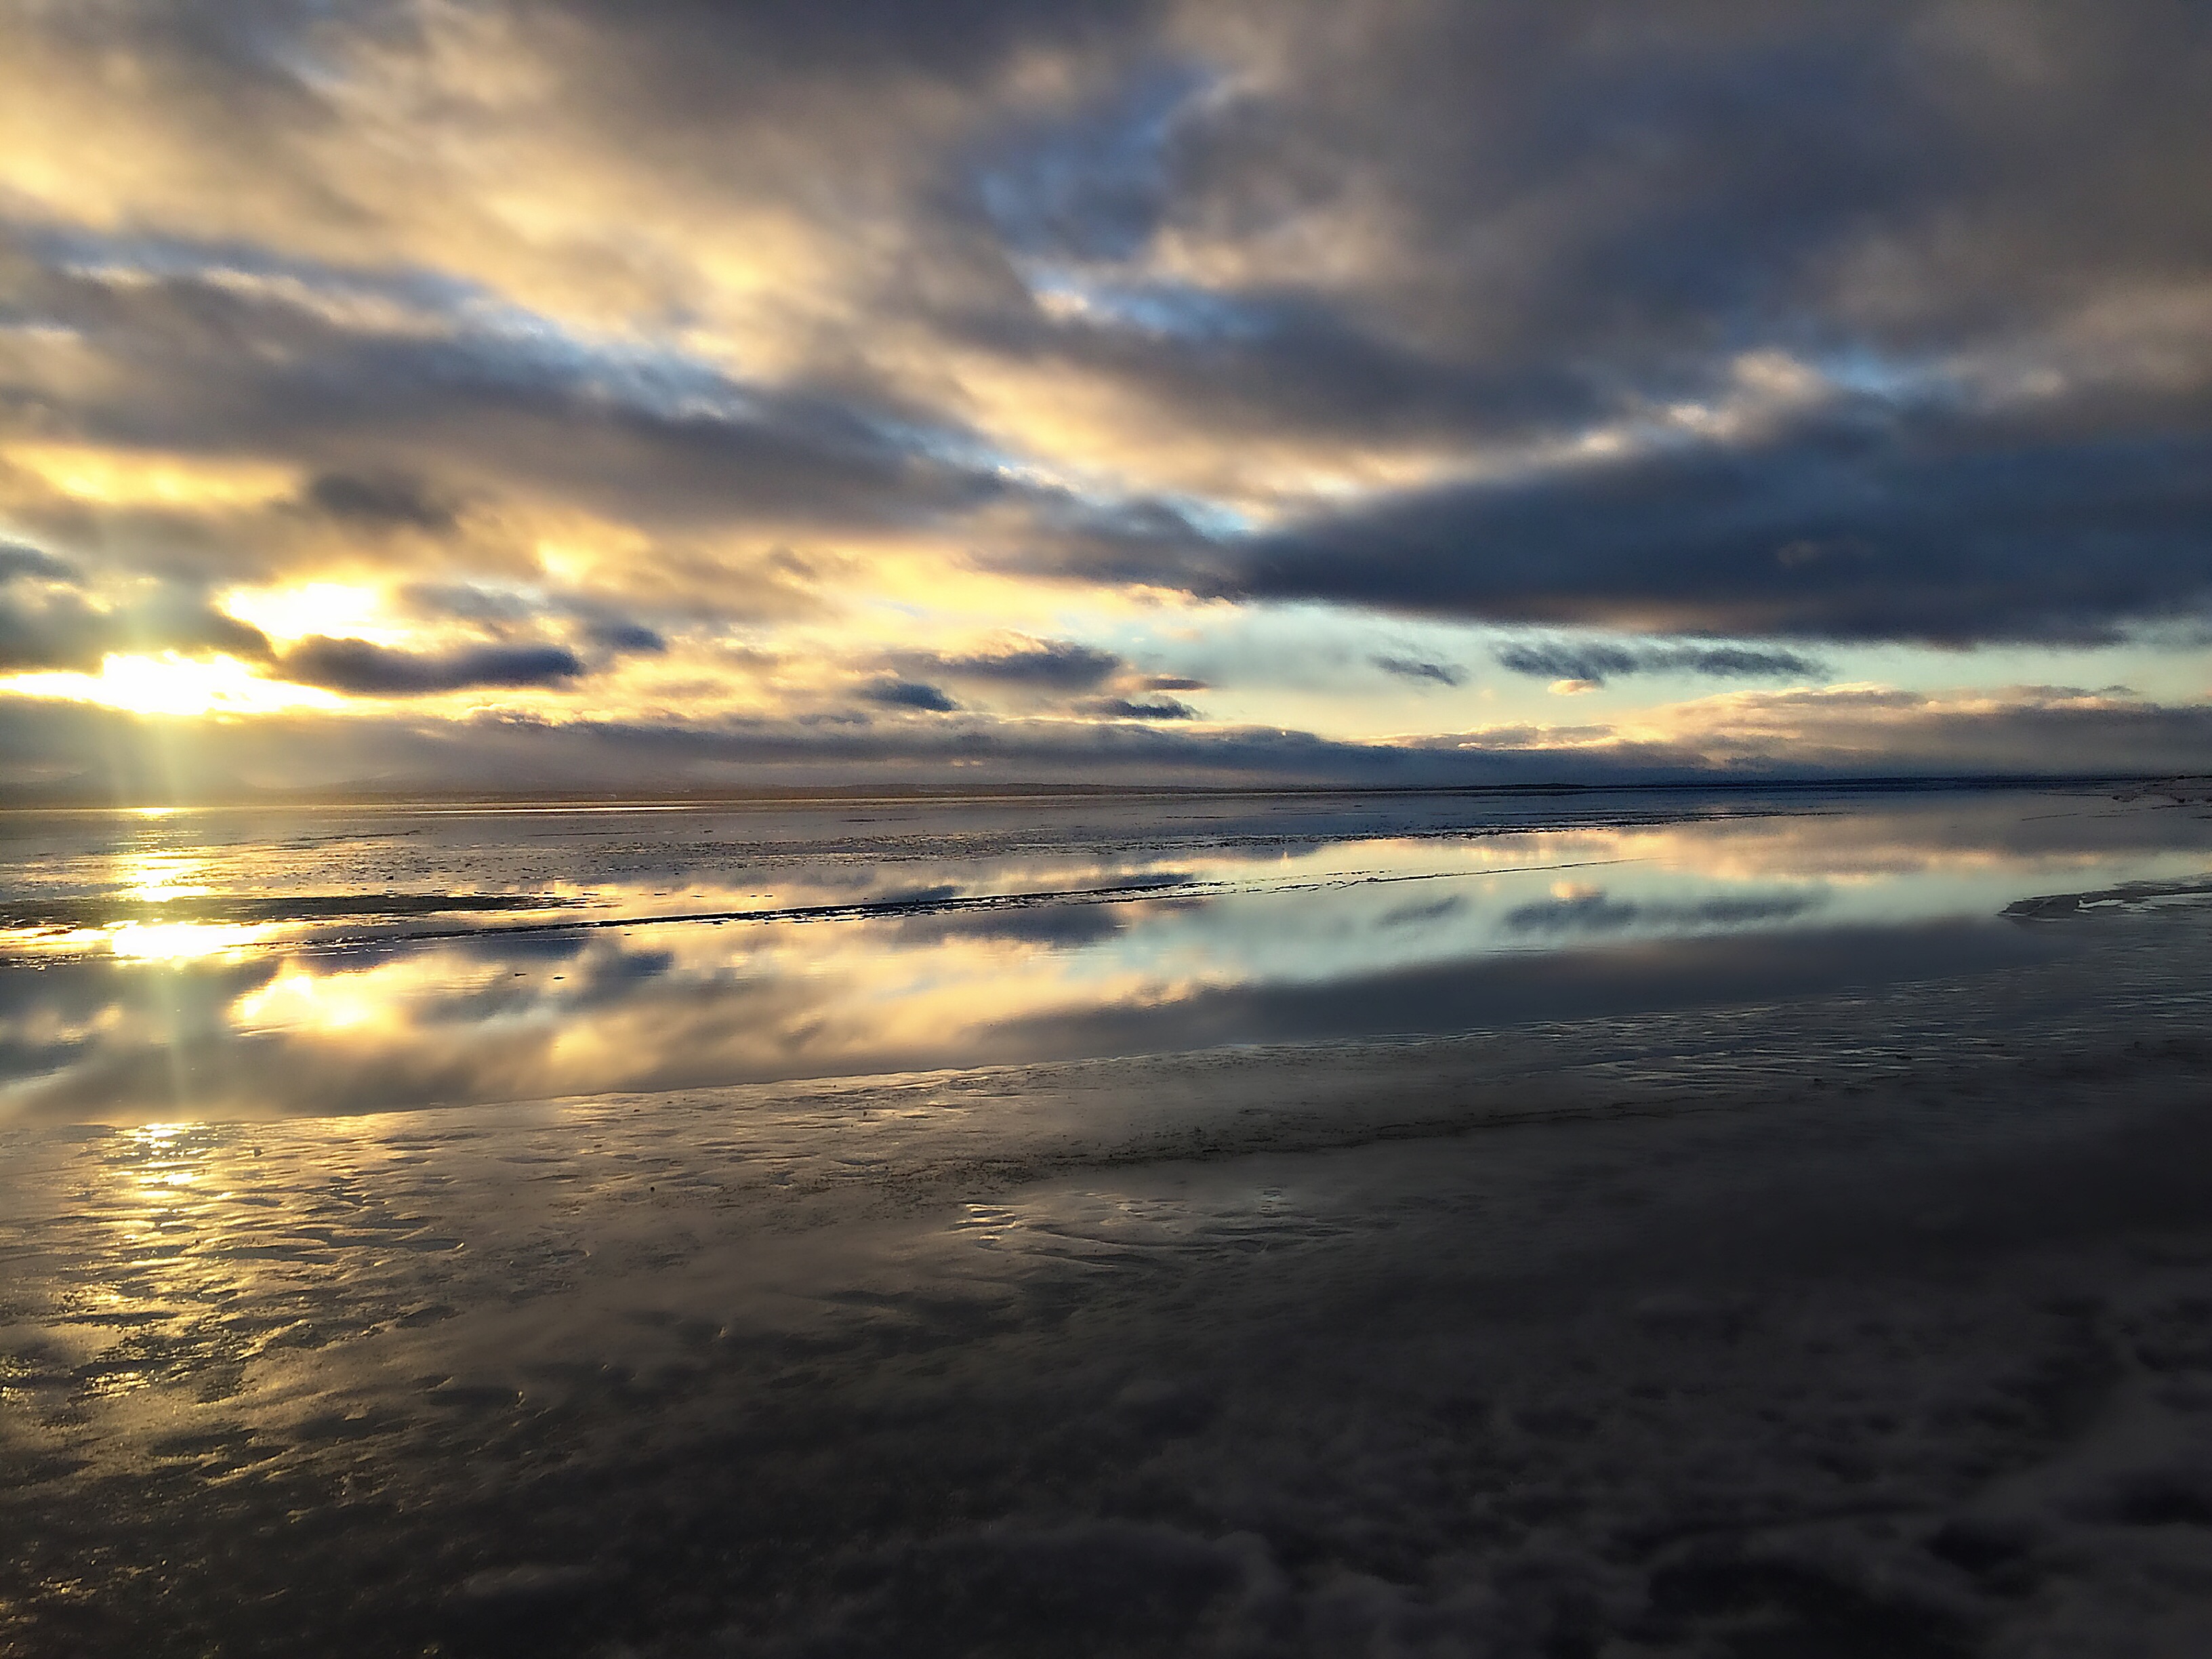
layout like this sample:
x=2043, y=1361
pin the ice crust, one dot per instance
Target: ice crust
x=1872, y=1323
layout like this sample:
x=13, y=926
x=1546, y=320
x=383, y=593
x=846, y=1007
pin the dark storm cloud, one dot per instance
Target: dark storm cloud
x=363, y=670
x=1597, y=664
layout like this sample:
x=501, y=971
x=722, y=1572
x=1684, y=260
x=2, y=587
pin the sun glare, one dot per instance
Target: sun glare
x=134, y=478
x=296, y=998
x=172, y=684
x=159, y=880
x=287, y=614
x=179, y=941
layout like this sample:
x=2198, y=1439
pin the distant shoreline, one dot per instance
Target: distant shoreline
x=27, y=803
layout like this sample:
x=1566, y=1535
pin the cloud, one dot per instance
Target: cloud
x=1041, y=674
x=77, y=751
x=1710, y=356
x=395, y=424
x=2027, y=731
x=1149, y=709
x=378, y=501
x=20, y=559
x=1938, y=529
x=910, y=694
x=1058, y=665
x=715, y=345
x=51, y=620
x=1598, y=912
x=62, y=751
x=684, y=52
x=1412, y=668
x=1573, y=982
x=364, y=670
x=1594, y=663
x=618, y=634
x=497, y=610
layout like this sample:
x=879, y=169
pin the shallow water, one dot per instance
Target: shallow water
x=1756, y=1244
x=223, y=964
x=1877, y=1319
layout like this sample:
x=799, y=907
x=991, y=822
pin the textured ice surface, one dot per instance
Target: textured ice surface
x=214, y=966
x=1877, y=1320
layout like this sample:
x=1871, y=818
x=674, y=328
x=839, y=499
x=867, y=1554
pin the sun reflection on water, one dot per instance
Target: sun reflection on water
x=182, y=941
x=162, y=1004
x=159, y=879
x=330, y=1001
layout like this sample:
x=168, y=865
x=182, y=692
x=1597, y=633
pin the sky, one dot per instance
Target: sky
x=668, y=395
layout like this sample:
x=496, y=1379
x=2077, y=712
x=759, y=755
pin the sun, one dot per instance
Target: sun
x=172, y=684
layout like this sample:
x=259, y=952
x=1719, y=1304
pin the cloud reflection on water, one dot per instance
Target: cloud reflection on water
x=535, y=972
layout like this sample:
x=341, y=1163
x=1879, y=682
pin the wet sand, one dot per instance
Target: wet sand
x=1872, y=1321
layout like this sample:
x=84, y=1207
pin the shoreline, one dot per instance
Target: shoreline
x=2193, y=787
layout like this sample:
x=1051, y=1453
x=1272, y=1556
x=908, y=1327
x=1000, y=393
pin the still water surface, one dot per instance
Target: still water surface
x=197, y=966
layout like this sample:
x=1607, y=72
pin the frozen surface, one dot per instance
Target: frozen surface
x=212, y=966
x=1656, y=1225
x=1874, y=1320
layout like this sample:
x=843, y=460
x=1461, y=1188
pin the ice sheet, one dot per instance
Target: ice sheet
x=1877, y=1320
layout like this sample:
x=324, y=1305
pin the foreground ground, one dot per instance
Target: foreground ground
x=1878, y=1323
